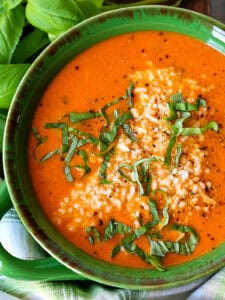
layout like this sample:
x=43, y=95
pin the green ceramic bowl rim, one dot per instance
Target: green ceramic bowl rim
x=191, y=23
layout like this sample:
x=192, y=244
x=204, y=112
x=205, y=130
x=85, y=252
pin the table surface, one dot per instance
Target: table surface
x=213, y=8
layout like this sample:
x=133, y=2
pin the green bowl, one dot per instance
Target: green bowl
x=18, y=125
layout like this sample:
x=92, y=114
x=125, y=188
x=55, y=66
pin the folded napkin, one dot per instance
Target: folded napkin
x=17, y=241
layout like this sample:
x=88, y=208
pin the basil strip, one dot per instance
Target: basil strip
x=200, y=130
x=103, y=109
x=93, y=234
x=178, y=155
x=128, y=166
x=127, y=242
x=161, y=248
x=141, y=176
x=155, y=216
x=153, y=209
x=186, y=106
x=121, y=120
x=84, y=156
x=88, y=137
x=50, y=154
x=128, y=96
x=107, y=137
x=103, y=168
x=72, y=149
x=40, y=140
x=68, y=174
x=129, y=132
x=115, y=228
x=78, y=117
x=115, y=250
x=65, y=133
x=83, y=167
x=150, y=259
x=177, y=105
x=176, y=130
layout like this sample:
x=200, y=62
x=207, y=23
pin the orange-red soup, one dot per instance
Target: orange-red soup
x=159, y=64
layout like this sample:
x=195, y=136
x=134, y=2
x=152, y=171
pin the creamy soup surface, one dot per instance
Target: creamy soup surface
x=127, y=150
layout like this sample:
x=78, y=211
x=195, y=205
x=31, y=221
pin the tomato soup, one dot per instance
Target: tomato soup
x=127, y=146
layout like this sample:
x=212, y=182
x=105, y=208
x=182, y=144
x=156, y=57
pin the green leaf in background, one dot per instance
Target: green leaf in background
x=2, y=126
x=97, y=3
x=89, y=8
x=6, y=5
x=54, y=18
x=10, y=76
x=11, y=26
x=30, y=46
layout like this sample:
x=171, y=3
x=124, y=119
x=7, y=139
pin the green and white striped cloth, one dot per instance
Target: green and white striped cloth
x=19, y=243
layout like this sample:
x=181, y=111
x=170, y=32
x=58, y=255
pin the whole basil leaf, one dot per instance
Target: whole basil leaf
x=2, y=126
x=11, y=26
x=96, y=3
x=3, y=111
x=6, y=5
x=30, y=46
x=54, y=18
x=88, y=8
x=10, y=76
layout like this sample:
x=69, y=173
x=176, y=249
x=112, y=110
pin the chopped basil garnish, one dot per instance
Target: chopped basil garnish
x=72, y=149
x=165, y=215
x=177, y=103
x=116, y=250
x=73, y=138
x=82, y=154
x=186, y=247
x=127, y=96
x=151, y=231
x=176, y=130
x=65, y=133
x=85, y=158
x=129, y=132
x=87, y=138
x=68, y=174
x=93, y=234
x=139, y=173
x=200, y=130
x=180, y=111
x=40, y=140
x=103, y=109
x=108, y=136
x=78, y=117
x=178, y=155
x=103, y=168
x=50, y=154
x=115, y=228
